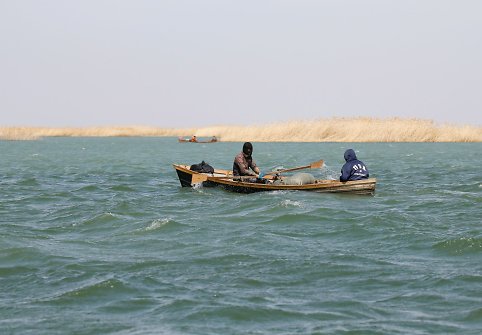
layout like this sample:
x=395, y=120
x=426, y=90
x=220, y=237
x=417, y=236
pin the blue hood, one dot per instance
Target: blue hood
x=350, y=155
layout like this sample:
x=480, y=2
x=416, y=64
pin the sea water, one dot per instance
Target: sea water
x=98, y=237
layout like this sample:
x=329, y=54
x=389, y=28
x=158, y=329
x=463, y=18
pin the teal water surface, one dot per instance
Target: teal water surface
x=98, y=237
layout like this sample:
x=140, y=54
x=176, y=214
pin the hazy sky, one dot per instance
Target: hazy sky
x=183, y=63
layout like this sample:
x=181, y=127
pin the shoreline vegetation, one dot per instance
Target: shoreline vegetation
x=361, y=129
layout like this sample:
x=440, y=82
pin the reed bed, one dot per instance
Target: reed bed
x=320, y=130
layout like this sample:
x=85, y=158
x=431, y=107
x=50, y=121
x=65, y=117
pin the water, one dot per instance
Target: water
x=98, y=237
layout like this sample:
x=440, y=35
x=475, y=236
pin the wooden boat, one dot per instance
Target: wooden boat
x=190, y=140
x=225, y=179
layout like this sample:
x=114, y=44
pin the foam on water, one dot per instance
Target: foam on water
x=158, y=223
x=289, y=203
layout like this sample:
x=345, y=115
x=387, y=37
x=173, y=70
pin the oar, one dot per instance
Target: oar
x=314, y=165
x=199, y=177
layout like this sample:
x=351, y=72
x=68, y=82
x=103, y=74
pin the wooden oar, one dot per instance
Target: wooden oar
x=314, y=165
x=199, y=177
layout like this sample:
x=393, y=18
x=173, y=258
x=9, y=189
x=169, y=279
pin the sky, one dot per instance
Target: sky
x=197, y=63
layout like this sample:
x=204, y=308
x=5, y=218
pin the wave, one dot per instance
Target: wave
x=122, y=188
x=474, y=315
x=95, y=289
x=460, y=246
x=88, y=188
x=98, y=219
x=158, y=223
x=361, y=129
x=32, y=181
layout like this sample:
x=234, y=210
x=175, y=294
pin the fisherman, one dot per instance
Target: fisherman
x=244, y=161
x=193, y=139
x=353, y=169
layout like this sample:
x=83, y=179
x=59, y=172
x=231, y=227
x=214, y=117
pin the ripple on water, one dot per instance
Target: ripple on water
x=95, y=289
x=246, y=313
x=474, y=315
x=460, y=246
x=98, y=219
x=122, y=188
x=15, y=270
x=88, y=188
x=288, y=218
x=32, y=181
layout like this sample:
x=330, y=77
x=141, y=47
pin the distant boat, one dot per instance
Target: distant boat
x=194, y=139
x=225, y=179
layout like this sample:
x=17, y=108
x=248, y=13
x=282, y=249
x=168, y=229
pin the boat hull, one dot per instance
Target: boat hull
x=321, y=186
x=185, y=176
x=366, y=186
x=186, y=140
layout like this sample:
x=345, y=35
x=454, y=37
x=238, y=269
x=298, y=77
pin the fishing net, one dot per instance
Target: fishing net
x=302, y=178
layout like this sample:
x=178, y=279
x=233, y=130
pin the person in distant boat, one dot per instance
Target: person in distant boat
x=193, y=139
x=353, y=169
x=214, y=139
x=244, y=161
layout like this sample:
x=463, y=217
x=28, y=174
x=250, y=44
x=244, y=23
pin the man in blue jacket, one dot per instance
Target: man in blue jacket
x=353, y=169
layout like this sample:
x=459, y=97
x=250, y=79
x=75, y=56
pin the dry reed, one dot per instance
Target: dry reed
x=321, y=130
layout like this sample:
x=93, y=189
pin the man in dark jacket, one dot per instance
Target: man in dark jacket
x=244, y=161
x=353, y=169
